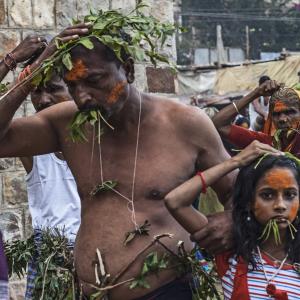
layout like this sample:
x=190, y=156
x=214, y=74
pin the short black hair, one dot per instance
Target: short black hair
x=239, y=121
x=263, y=79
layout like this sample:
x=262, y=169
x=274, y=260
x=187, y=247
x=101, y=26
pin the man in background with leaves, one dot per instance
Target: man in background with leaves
x=126, y=149
x=54, y=203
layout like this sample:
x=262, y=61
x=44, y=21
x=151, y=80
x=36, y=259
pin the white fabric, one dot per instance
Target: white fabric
x=52, y=195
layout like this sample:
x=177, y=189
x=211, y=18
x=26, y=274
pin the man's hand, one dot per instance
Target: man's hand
x=216, y=236
x=68, y=34
x=268, y=88
x=29, y=46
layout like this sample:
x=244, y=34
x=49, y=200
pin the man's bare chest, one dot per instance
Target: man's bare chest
x=154, y=164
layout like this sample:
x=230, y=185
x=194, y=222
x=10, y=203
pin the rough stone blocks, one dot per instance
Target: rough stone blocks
x=14, y=188
x=8, y=41
x=160, y=80
x=20, y=13
x=43, y=13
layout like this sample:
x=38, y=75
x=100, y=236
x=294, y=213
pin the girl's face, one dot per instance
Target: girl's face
x=276, y=197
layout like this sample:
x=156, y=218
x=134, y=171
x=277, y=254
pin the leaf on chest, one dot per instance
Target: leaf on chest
x=141, y=230
x=105, y=186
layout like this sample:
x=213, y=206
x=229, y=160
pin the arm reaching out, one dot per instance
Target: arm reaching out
x=222, y=120
x=179, y=200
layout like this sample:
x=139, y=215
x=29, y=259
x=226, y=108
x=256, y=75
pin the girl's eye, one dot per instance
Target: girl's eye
x=266, y=195
x=290, y=195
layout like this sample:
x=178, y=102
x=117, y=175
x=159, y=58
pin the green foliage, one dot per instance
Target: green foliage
x=271, y=227
x=152, y=265
x=18, y=254
x=141, y=230
x=4, y=87
x=105, y=186
x=54, y=261
x=147, y=36
x=77, y=126
x=205, y=282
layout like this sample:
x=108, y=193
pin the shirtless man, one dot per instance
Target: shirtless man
x=174, y=141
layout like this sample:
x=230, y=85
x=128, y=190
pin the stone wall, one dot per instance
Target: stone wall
x=18, y=18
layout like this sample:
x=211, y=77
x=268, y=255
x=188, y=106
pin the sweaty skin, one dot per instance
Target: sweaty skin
x=169, y=153
x=79, y=71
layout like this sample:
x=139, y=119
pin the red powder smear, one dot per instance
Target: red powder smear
x=294, y=211
x=116, y=92
x=280, y=179
x=280, y=106
x=79, y=71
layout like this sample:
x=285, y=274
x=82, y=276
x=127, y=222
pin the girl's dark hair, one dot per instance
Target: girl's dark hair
x=246, y=233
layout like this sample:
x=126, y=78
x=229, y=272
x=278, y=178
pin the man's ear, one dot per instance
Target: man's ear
x=128, y=66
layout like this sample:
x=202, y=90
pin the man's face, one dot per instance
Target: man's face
x=95, y=82
x=54, y=92
x=286, y=116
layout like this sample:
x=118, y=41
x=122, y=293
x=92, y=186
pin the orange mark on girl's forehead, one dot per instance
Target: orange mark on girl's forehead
x=116, y=92
x=279, y=179
x=79, y=71
x=280, y=106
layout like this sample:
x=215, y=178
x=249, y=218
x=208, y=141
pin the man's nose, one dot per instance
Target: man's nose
x=45, y=100
x=82, y=97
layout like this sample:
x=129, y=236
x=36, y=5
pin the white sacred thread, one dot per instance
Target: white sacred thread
x=130, y=204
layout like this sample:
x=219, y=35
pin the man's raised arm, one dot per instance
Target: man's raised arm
x=222, y=120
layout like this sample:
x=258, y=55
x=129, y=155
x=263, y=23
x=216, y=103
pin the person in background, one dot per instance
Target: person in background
x=242, y=122
x=23, y=52
x=259, y=108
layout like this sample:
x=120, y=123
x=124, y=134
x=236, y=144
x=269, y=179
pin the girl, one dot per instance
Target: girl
x=264, y=261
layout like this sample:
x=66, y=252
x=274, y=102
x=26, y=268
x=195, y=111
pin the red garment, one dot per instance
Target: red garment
x=241, y=282
x=242, y=137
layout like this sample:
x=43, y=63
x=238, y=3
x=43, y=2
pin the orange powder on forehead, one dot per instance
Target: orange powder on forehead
x=79, y=71
x=116, y=92
x=280, y=106
x=279, y=179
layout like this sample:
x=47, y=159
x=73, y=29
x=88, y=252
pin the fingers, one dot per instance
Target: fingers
x=79, y=29
x=200, y=236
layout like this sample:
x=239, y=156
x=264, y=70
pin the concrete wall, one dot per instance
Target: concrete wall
x=18, y=18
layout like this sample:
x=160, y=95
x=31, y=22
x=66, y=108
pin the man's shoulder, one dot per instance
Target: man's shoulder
x=176, y=109
x=61, y=111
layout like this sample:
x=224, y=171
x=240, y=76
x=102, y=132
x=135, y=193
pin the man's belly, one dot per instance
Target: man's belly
x=104, y=227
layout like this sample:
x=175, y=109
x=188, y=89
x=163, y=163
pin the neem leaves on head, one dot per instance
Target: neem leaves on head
x=133, y=34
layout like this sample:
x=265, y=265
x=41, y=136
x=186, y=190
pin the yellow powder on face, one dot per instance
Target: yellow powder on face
x=79, y=71
x=116, y=92
x=280, y=106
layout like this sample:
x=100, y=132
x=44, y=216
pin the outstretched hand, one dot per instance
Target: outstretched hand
x=268, y=88
x=252, y=152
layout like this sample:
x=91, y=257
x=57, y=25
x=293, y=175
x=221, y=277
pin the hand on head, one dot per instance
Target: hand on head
x=268, y=88
x=252, y=152
x=69, y=34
